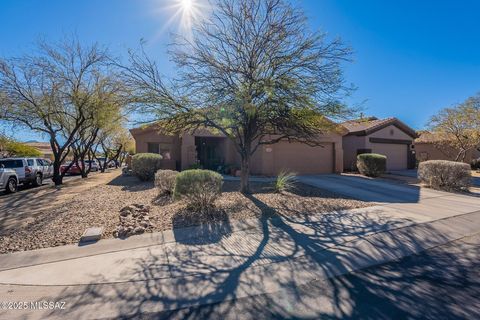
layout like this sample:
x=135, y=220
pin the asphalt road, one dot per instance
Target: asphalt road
x=46, y=182
x=443, y=283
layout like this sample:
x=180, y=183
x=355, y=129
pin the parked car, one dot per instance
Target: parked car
x=8, y=179
x=110, y=163
x=47, y=167
x=74, y=169
x=94, y=165
x=29, y=170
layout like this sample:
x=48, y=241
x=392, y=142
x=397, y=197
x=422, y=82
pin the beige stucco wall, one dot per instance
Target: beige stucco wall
x=390, y=132
x=396, y=153
x=429, y=151
x=172, y=142
x=350, y=146
x=267, y=160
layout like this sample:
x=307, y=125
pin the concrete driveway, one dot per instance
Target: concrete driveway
x=405, y=199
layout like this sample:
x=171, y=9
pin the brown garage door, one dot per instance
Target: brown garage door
x=396, y=154
x=303, y=159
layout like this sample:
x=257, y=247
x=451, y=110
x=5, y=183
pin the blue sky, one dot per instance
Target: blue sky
x=411, y=57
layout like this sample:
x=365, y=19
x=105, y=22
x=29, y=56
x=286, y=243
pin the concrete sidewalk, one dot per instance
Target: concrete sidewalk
x=220, y=262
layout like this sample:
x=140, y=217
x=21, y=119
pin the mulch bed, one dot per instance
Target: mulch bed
x=100, y=207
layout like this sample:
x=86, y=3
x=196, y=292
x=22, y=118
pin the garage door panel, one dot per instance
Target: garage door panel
x=396, y=154
x=303, y=159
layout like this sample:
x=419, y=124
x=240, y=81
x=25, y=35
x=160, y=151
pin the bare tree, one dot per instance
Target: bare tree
x=50, y=92
x=253, y=72
x=104, y=112
x=458, y=128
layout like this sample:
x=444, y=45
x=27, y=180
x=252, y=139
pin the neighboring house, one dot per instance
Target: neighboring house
x=213, y=150
x=389, y=137
x=429, y=146
x=43, y=147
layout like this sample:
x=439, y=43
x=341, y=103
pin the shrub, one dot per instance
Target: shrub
x=165, y=181
x=445, y=175
x=285, y=181
x=200, y=188
x=144, y=165
x=371, y=164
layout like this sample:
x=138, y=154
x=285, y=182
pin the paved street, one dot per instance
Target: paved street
x=441, y=283
x=279, y=259
x=24, y=206
x=47, y=182
x=215, y=264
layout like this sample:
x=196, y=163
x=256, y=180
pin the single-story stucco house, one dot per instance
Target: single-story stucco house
x=43, y=147
x=337, y=152
x=389, y=137
x=429, y=146
x=181, y=151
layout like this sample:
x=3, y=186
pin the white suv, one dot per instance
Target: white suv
x=29, y=170
x=8, y=180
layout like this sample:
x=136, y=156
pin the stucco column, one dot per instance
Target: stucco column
x=338, y=151
x=188, y=151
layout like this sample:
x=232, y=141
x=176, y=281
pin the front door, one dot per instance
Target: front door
x=208, y=152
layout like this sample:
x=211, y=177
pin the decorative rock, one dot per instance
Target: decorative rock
x=92, y=234
x=133, y=220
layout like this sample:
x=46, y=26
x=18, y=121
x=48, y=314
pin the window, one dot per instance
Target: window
x=11, y=164
x=40, y=162
x=165, y=151
x=153, y=147
x=30, y=162
x=166, y=154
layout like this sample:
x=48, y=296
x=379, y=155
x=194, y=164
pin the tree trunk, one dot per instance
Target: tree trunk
x=57, y=176
x=461, y=156
x=245, y=174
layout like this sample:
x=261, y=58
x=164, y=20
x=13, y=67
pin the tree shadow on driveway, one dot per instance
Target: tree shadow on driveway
x=280, y=256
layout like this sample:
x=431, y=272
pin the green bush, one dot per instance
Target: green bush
x=200, y=188
x=285, y=181
x=445, y=175
x=144, y=165
x=165, y=181
x=371, y=164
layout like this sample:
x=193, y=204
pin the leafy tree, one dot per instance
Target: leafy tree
x=12, y=148
x=104, y=113
x=254, y=72
x=458, y=128
x=50, y=92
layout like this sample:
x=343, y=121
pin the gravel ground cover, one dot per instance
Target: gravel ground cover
x=100, y=206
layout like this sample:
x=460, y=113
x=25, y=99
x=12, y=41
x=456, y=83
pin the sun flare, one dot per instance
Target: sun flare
x=187, y=4
x=182, y=14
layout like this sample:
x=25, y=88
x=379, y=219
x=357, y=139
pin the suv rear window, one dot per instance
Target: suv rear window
x=11, y=164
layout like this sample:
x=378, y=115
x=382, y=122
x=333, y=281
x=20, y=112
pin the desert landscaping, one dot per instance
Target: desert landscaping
x=101, y=206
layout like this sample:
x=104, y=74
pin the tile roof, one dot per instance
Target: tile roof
x=368, y=125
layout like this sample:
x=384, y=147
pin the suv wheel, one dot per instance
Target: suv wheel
x=11, y=185
x=38, y=180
